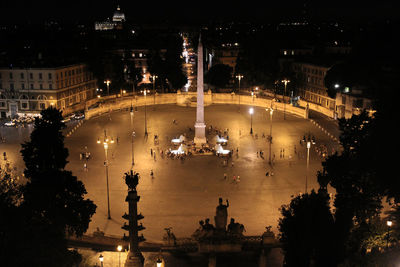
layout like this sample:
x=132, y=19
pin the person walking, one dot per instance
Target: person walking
x=224, y=176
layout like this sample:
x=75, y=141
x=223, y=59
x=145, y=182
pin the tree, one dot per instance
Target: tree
x=306, y=231
x=258, y=60
x=168, y=66
x=358, y=197
x=219, y=75
x=53, y=197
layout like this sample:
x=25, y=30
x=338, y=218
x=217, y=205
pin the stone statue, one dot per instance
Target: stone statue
x=235, y=228
x=131, y=180
x=221, y=215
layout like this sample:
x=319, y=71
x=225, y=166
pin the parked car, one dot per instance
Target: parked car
x=67, y=119
x=79, y=116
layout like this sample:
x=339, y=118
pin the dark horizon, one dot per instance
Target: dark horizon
x=19, y=11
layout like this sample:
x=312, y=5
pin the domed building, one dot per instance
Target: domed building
x=116, y=22
x=118, y=15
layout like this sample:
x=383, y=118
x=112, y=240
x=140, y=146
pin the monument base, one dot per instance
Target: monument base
x=134, y=260
x=200, y=134
x=199, y=141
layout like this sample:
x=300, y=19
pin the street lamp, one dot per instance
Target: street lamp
x=154, y=77
x=239, y=77
x=309, y=141
x=133, y=134
x=159, y=262
x=108, y=86
x=106, y=142
x=251, y=111
x=285, y=81
x=119, y=248
x=133, y=137
x=389, y=224
x=101, y=258
x=271, y=111
x=145, y=112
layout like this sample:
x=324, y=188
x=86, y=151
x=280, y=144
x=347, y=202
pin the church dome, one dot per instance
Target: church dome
x=118, y=15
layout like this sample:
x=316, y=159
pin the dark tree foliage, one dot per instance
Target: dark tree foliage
x=258, y=61
x=306, y=231
x=45, y=151
x=52, y=202
x=352, y=74
x=353, y=175
x=364, y=173
x=168, y=67
x=219, y=75
x=53, y=194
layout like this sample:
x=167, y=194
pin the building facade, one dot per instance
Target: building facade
x=352, y=103
x=312, y=88
x=349, y=102
x=226, y=55
x=25, y=91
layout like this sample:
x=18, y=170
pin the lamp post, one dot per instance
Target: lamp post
x=106, y=142
x=145, y=113
x=119, y=248
x=285, y=81
x=108, y=86
x=101, y=259
x=271, y=111
x=309, y=141
x=389, y=224
x=133, y=134
x=239, y=77
x=251, y=111
x=133, y=157
x=154, y=77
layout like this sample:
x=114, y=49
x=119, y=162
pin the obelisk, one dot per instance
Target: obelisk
x=200, y=127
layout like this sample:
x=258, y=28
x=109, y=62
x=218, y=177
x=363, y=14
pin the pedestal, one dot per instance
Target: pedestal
x=200, y=134
x=134, y=260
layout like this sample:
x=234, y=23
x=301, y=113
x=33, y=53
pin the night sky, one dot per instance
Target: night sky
x=21, y=11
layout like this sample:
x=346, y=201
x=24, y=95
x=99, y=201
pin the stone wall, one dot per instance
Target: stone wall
x=189, y=99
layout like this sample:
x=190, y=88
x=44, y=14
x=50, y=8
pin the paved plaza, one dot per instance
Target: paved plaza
x=182, y=192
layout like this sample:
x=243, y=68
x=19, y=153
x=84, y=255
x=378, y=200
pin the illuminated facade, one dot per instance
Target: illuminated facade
x=116, y=23
x=29, y=90
x=351, y=101
x=312, y=88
